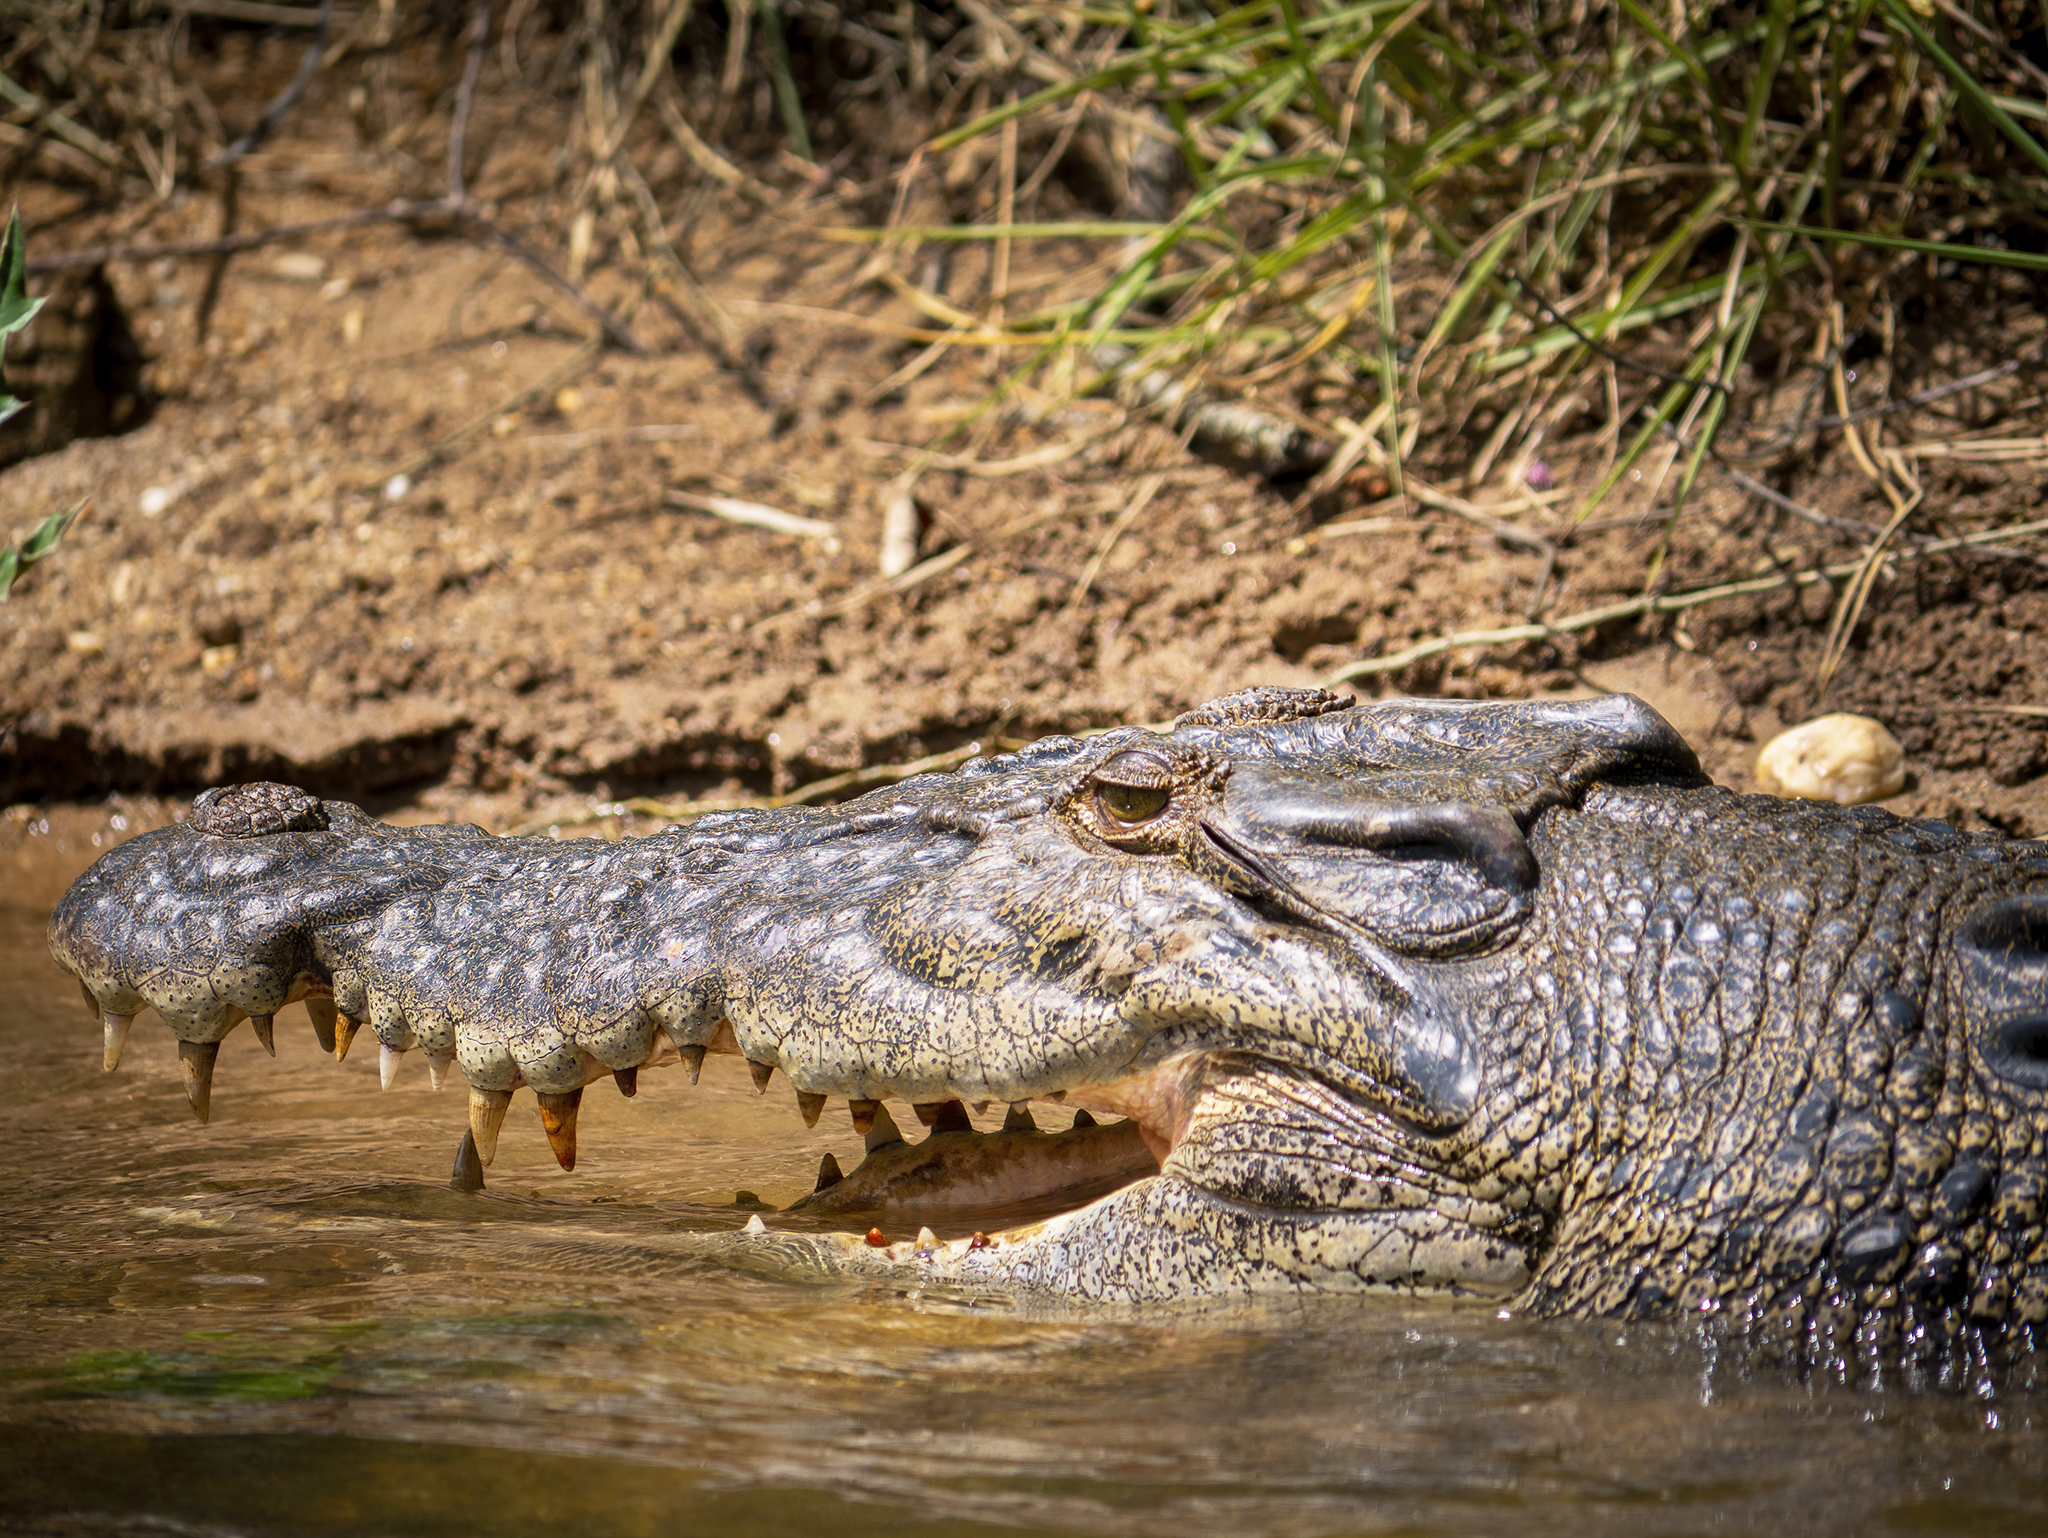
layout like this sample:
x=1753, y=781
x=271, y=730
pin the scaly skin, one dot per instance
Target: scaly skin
x=1500, y=998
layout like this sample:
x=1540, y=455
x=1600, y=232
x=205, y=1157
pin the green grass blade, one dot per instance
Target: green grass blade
x=1901, y=16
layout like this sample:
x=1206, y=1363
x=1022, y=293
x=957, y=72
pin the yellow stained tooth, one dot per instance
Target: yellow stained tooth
x=693, y=1061
x=115, y=1038
x=437, y=1068
x=320, y=1010
x=388, y=1059
x=926, y=1240
x=1019, y=1118
x=762, y=1073
x=262, y=1025
x=863, y=1113
x=811, y=1107
x=345, y=1028
x=486, y=1116
x=558, y=1121
x=196, y=1058
x=92, y=1005
x=628, y=1081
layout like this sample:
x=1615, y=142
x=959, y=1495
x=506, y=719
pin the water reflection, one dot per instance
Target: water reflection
x=284, y=1321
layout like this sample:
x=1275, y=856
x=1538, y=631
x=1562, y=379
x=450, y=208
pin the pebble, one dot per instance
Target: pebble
x=1842, y=758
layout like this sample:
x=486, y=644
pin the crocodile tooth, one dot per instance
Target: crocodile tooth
x=116, y=1037
x=628, y=1081
x=762, y=1073
x=952, y=1117
x=882, y=1132
x=811, y=1107
x=388, y=1059
x=829, y=1174
x=320, y=1010
x=693, y=1061
x=469, y=1166
x=345, y=1027
x=92, y=1004
x=928, y=1111
x=1019, y=1118
x=437, y=1066
x=263, y=1026
x=755, y=1225
x=197, y=1059
x=558, y=1120
x=1083, y=1119
x=863, y=1113
x=486, y=1116
x=926, y=1240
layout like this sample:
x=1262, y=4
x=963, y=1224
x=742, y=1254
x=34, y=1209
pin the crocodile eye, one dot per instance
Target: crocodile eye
x=1132, y=803
x=1133, y=788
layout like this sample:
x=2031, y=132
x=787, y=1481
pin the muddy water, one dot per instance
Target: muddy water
x=286, y=1323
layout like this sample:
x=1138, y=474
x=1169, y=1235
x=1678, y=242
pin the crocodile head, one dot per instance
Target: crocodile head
x=1499, y=997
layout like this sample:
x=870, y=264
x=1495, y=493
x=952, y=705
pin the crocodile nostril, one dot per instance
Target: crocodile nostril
x=2014, y=928
x=2018, y=1049
x=2004, y=948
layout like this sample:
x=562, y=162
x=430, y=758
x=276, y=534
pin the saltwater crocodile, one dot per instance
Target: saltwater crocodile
x=1501, y=998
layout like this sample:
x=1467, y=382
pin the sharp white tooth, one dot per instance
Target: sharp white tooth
x=926, y=1240
x=755, y=1225
x=116, y=1038
x=883, y=1133
x=387, y=1064
x=437, y=1065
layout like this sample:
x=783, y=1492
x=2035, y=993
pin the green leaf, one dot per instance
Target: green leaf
x=39, y=544
x=16, y=308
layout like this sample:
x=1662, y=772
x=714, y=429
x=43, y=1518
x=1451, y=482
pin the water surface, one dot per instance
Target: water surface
x=284, y=1322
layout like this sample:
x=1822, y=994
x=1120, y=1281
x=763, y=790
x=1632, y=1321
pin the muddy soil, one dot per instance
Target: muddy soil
x=379, y=520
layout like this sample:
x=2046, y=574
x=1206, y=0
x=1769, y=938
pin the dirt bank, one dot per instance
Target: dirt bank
x=305, y=564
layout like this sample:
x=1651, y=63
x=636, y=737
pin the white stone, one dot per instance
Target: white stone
x=1841, y=758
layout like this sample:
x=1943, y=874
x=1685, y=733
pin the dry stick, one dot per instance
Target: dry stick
x=435, y=453
x=651, y=69
x=1147, y=490
x=282, y=103
x=422, y=211
x=465, y=96
x=1657, y=603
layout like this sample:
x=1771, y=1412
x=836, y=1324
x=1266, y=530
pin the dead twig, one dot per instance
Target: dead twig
x=437, y=453
x=754, y=514
x=284, y=100
x=1657, y=603
x=1147, y=490
x=465, y=97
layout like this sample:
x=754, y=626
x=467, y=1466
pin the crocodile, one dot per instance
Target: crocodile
x=1497, y=999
